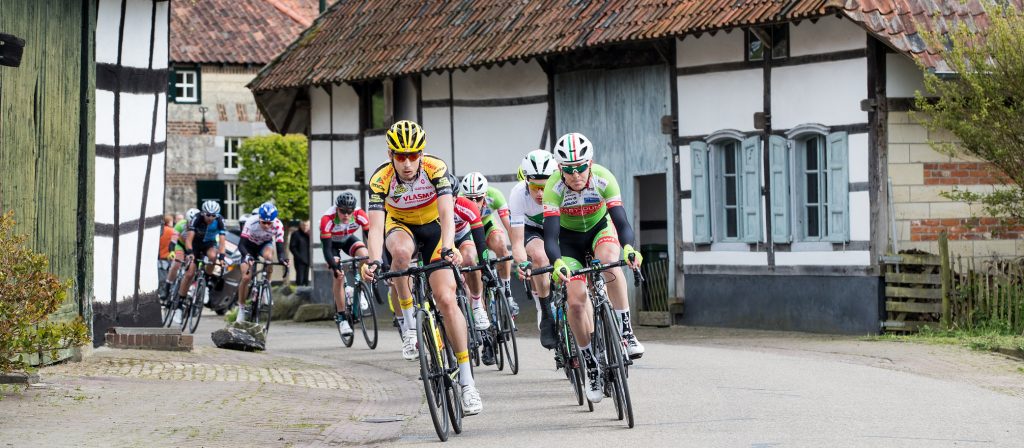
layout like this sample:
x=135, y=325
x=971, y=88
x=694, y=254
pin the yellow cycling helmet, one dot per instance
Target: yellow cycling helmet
x=406, y=136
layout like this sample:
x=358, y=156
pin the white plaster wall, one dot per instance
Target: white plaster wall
x=320, y=162
x=860, y=216
x=858, y=157
x=479, y=148
x=436, y=125
x=707, y=49
x=508, y=81
x=319, y=119
x=346, y=158
x=829, y=34
x=838, y=258
x=713, y=101
x=108, y=20
x=136, y=118
x=161, y=36
x=137, y=28
x=322, y=200
x=828, y=93
x=435, y=86
x=346, y=109
x=726, y=258
x=902, y=76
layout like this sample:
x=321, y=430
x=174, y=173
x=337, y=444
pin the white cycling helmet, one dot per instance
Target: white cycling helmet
x=538, y=164
x=190, y=215
x=211, y=207
x=474, y=184
x=574, y=148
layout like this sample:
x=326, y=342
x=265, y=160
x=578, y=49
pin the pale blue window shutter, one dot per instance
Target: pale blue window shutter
x=778, y=159
x=838, y=188
x=752, y=190
x=700, y=194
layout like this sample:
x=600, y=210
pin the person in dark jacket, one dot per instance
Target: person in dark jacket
x=299, y=247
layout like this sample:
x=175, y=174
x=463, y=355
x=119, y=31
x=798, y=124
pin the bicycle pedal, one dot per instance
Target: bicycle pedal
x=635, y=356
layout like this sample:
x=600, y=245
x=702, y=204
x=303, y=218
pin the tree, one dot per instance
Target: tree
x=28, y=295
x=982, y=102
x=274, y=169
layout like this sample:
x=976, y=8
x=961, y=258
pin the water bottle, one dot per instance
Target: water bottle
x=206, y=296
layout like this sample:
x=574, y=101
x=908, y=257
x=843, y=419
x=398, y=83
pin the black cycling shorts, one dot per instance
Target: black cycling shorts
x=348, y=245
x=531, y=233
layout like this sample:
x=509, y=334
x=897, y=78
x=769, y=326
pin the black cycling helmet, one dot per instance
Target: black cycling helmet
x=454, y=180
x=345, y=200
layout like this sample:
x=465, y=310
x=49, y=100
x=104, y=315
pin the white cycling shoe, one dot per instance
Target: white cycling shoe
x=633, y=347
x=409, y=350
x=480, y=317
x=471, y=403
x=595, y=386
x=344, y=328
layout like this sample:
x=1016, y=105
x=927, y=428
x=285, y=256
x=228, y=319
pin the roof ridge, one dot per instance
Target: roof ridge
x=290, y=13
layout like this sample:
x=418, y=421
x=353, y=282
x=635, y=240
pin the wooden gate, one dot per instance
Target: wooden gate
x=620, y=111
x=44, y=165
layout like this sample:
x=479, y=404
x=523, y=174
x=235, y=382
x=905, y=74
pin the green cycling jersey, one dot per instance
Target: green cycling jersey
x=581, y=210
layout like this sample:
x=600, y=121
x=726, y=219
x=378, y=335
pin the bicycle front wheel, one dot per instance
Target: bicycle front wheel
x=367, y=317
x=432, y=374
x=617, y=367
x=507, y=334
x=197, y=307
x=261, y=302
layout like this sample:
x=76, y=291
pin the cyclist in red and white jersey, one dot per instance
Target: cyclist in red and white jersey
x=339, y=227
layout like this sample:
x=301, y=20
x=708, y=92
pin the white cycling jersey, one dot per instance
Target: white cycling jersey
x=523, y=210
x=255, y=232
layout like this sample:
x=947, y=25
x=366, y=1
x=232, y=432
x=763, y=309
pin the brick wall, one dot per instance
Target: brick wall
x=920, y=175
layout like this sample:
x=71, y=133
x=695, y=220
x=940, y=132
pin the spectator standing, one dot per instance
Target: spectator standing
x=167, y=237
x=299, y=247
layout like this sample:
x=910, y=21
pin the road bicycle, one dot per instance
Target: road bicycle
x=260, y=301
x=439, y=370
x=354, y=302
x=192, y=306
x=501, y=335
x=567, y=353
x=608, y=344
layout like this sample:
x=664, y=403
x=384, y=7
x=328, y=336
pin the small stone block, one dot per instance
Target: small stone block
x=19, y=378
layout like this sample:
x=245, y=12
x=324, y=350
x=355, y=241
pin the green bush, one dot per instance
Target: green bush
x=274, y=168
x=28, y=295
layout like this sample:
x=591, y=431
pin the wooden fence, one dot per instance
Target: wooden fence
x=928, y=289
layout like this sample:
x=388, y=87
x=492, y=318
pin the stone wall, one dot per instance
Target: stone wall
x=920, y=175
x=197, y=154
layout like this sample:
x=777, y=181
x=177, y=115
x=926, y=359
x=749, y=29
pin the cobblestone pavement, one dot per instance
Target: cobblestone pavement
x=301, y=392
x=696, y=387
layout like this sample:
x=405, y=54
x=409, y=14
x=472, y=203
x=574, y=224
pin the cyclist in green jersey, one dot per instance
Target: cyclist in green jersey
x=491, y=202
x=583, y=215
x=178, y=248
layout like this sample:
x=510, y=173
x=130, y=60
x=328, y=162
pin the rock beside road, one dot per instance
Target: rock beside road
x=244, y=336
x=285, y=307
x=314, y=311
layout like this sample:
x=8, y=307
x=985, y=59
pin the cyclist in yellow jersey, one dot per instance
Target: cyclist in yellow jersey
x=411, y=203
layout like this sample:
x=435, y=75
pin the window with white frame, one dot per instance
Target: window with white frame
x=231, y=205
x=186, y=85
x=231, y=145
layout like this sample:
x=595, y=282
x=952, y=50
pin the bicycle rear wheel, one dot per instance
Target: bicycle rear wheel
x=617, y=367
x=573, y=363
x=197, y=307
x=367, y=318
x=432, y=374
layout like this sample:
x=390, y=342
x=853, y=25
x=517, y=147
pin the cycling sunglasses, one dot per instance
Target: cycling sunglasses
x=534, y=187
x=575, y=169
x=266, y=223
x=409, y=156
x=345, y=211
x=476, y=198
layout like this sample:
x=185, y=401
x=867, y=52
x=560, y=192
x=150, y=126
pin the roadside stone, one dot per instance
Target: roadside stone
x=304, y=294
x=314, y=311
x=284, y=307
x=19, y=378
x=245, y=336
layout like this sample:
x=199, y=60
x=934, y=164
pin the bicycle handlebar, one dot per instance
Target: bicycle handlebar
x=638, y=277
x=353, y=260
x=414, y=270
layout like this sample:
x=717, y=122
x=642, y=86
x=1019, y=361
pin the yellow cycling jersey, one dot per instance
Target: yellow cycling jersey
x=414, y=202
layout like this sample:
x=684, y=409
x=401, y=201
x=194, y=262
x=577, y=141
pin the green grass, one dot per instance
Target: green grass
x=985, y=337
